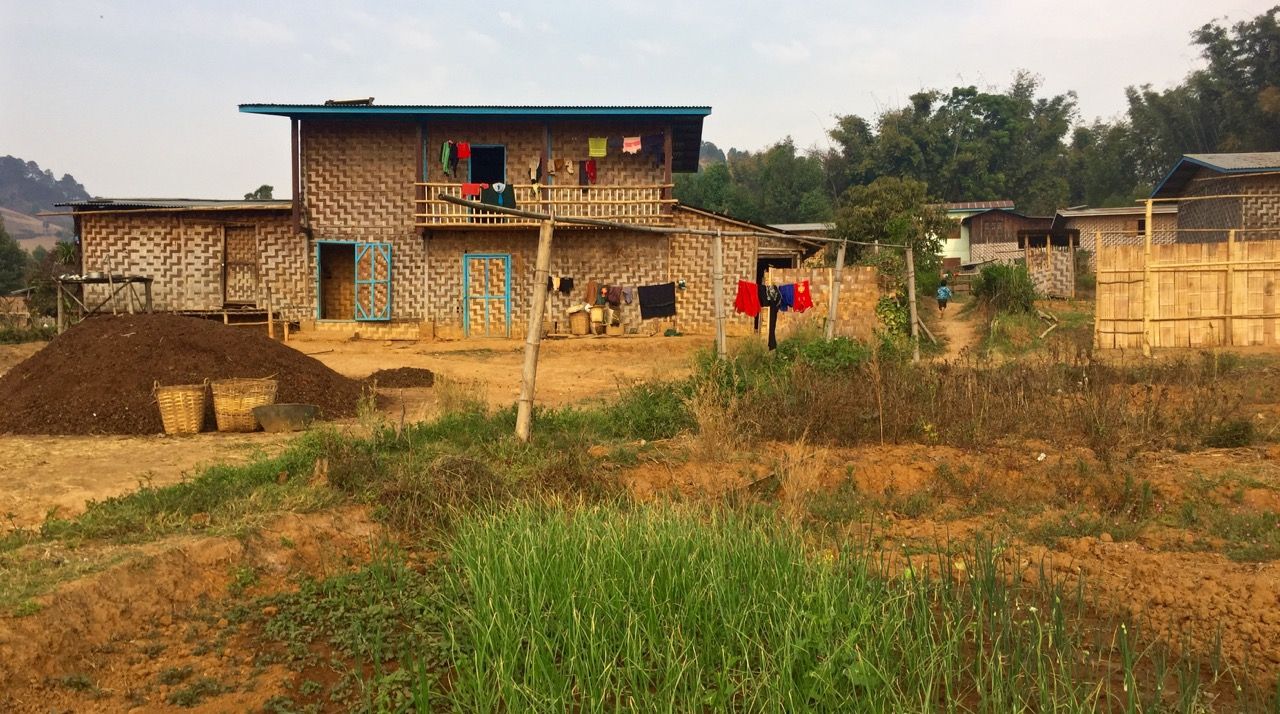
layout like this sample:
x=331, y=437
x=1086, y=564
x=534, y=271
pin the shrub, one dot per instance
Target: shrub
x=1005, y=288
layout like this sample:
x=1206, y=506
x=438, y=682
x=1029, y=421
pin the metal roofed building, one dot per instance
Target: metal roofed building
x=1219, y=192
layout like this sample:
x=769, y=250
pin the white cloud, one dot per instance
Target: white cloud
x=258, y=30
x=412, y=36
x=515, y=22
x=789, y=53
x=648, y=47
x=342, y=45
x=481, y=41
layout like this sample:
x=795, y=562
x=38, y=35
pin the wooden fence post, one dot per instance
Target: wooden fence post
x=1097, y=289
x=911, y=303
x=717, y=290
x=1231, y=277
x=833, y=304
x=1148, y=290
x=533, y=340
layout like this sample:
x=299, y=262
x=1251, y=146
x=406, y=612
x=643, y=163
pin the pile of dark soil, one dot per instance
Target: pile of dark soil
x=98, y=377
x=402, y=377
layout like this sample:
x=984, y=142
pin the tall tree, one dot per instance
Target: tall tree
x=13, y=263
x=892, y=210
x=262, y=193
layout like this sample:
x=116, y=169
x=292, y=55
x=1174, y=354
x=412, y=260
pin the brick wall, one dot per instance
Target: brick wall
x=855, y=314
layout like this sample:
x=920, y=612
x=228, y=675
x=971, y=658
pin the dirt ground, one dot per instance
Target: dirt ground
x=40, y=474
x=925, y=500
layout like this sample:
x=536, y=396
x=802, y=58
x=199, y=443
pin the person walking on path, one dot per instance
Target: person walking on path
x=944, y=294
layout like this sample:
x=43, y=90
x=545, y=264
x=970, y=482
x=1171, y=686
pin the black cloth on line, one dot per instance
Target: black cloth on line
x=771, y=298
x=566, y=285
x=657, y=300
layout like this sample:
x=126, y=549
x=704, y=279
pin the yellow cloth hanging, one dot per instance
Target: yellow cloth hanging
x=597, y=147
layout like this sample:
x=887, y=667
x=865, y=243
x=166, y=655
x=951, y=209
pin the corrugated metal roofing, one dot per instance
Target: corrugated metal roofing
x=1241, y=163
x=802, y=227
x=178, y=203
x=568, y=110
x=977, y=205
x=1121, y=211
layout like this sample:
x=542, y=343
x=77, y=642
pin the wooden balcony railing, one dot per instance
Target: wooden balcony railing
x=646, y=205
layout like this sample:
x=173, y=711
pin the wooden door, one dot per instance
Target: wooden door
x=240, y=265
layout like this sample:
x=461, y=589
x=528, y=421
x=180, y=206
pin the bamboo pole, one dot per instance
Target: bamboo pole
x=1097, y=289
x=717, y=291
x=837, y=274
x=1231, y=276
x=1148, y=294
x=62, y=325
x=533, y=340
x=911, y=300
x=271, y=323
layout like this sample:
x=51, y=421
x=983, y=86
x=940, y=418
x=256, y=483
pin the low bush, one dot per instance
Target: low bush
x=1004, y=287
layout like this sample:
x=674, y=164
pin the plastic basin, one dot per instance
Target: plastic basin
x=286, y=417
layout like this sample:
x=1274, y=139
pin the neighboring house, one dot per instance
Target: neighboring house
x=1249, y=186
x=957, y=245
x=369, y=243
x=1116, y=226
x=1000, y=234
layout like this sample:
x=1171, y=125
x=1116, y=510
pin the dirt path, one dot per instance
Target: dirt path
x=958, y=330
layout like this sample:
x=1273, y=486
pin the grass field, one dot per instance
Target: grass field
x=840, y=576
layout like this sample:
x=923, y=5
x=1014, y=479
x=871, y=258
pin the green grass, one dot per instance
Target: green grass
x=547, y=606
x=17, y=335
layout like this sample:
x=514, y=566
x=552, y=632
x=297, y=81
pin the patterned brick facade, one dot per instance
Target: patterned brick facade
x=1250, y=204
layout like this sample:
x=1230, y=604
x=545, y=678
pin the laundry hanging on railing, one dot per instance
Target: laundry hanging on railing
x=597, y=147
x=499, y=194
x=473, y=190
x=464, y=150
x=448, y=157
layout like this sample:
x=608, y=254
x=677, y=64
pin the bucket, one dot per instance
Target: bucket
x=597, y=315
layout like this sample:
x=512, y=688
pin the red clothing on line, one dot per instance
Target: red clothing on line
x=464, y=150
x=748, y=300
x=804, y=299
x=590, y=167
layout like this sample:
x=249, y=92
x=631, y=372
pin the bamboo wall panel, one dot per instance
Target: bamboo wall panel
x=183, y=253
x=1189, y=304
x=1053, y=272
x=1120, y=230
x=358, y=181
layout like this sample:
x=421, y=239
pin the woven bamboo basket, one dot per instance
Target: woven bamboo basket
x=181, y=407
x=234, y=400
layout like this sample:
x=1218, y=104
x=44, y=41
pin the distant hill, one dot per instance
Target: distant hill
x=25, y=190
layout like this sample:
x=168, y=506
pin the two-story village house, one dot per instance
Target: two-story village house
x=367, y=243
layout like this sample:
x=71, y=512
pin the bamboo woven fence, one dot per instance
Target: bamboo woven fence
x=1200, y=291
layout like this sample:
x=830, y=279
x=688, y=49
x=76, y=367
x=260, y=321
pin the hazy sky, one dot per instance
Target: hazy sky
x=139, y=98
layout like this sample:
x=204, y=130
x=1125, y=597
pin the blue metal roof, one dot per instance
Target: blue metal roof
x=426, y=110
x=1240, y=163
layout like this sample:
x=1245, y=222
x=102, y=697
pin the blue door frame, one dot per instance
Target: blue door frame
x=488, y=297
x=370, y=310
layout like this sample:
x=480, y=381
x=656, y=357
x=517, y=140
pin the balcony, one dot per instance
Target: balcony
x=644, y=205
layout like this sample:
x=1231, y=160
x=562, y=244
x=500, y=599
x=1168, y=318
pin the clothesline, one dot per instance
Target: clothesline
x=538, y=216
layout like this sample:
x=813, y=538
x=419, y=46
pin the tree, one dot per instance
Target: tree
x=13, y=263
x=776, y=185
x=892, y=210
x=262, y=193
